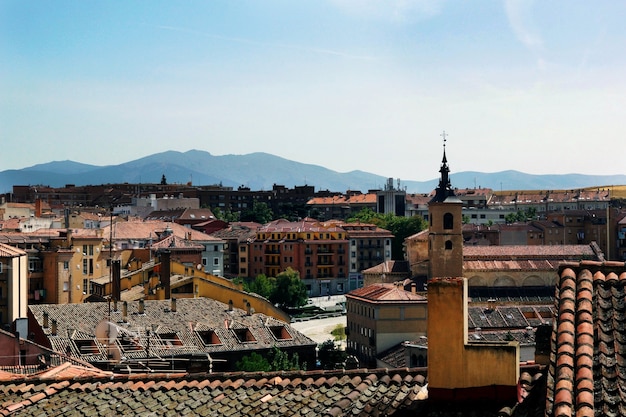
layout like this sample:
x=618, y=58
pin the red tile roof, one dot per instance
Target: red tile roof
x=358, y=392
x=385, y=292
x=586, y=373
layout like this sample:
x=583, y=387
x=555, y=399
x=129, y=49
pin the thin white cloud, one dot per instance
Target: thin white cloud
x=322, y=51
x=519, y=14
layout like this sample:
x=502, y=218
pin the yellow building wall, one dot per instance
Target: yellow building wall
x=222, y=290
x=453, y=362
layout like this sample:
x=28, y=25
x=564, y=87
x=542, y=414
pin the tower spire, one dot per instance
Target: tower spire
x=444, y=189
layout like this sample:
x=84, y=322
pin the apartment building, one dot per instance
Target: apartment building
x=330, y=256
x=317, y=250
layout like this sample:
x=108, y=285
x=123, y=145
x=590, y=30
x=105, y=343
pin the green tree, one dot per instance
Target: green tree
x=275, y=360
x=260, y=213
x=253, y=363
x=262, y=285
x=329, y=354
x=366, y=215
x=400, y=226
x=225, y=215
x=510, y=218
x=290, y=291
x=282, y=362
x=163, y=180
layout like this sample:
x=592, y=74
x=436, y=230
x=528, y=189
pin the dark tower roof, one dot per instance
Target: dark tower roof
x=444, y=189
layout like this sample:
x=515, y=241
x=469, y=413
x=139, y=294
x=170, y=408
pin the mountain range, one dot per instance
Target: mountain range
x=260, y=171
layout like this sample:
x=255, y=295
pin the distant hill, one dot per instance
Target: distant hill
x=260, y=171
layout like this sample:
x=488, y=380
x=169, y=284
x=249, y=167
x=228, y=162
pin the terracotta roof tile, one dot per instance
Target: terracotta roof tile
x=587, y=367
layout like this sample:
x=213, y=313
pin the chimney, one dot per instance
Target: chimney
x=413, y=287
x=45, y=320
x=53, y=329
x=114, y=305
x=116, y=271
x=38, y=208
x=248, y=309
x=165, y=272
x=173, y=308
x=141, y=306
x=125, y=311
x=230, y=305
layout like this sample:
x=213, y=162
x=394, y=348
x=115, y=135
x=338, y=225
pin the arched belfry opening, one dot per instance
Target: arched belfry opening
x=448, y=221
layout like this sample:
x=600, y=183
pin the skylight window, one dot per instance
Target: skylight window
x=280, y=333
x=244, y=335
x=209, y=337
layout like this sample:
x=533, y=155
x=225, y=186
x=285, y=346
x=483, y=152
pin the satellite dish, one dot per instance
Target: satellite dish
x=199, y=267
x=107, y=332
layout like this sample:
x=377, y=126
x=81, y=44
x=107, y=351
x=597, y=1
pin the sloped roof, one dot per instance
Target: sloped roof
x=586, y=372
x=369, y=198
x=385, y=292
x=359, y=392
x=390, y=267
x=192, y=315
x=7, y=251
x=145, y=230
x=572, y=252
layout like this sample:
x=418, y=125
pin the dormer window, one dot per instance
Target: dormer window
x=170, y=339
x=86, y=346
x=128, y=343
x=280, y=333
x=244, y=335
x=209, y=337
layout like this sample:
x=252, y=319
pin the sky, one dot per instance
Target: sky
x=370, y=85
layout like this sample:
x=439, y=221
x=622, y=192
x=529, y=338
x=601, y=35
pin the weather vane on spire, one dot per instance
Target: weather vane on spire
x=444, y=134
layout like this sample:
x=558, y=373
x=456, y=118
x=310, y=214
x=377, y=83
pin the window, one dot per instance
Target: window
x=0, y=267
x=209, y=337
x=66, y=265
x=280, y=333
x=170, y=339
x=86, y=347
x=128, y=343
x=216, y=261
x=244, y=335
x=448, y=244
x=85, y=285
x=448, y=221
x=204, y=261
x=85, y=267
x=242, y=249
x=66, y=286
x=214, y=248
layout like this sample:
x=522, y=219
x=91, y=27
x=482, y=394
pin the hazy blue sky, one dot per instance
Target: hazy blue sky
x=346, y=84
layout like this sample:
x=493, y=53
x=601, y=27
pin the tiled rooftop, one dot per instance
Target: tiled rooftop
x=7, y=251
x=587, y=372
x=149, y=229
x=573, y=252
x=174, y=332
x=360, y=392
x=385, y=292
x=390, y=266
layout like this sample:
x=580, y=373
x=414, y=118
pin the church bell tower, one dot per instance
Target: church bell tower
x=445, y=238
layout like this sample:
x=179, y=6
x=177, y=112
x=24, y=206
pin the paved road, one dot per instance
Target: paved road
x=320, y=329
